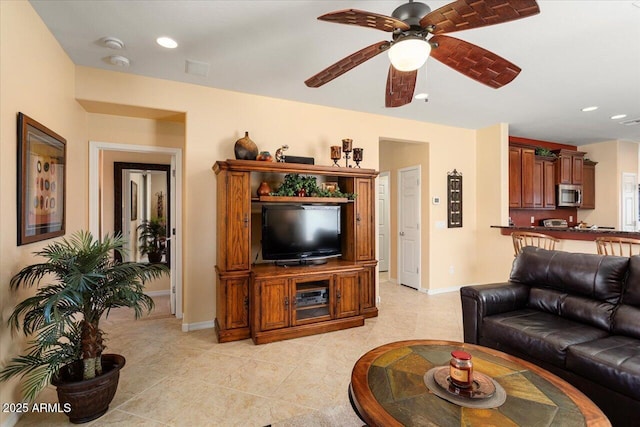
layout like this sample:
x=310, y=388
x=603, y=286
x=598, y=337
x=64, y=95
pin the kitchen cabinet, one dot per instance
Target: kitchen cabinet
x=569, y=167
x=544, y=189
x=521, y=177
x=589, y=185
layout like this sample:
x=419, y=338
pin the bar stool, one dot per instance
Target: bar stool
x=621, y=246
x=527, y=238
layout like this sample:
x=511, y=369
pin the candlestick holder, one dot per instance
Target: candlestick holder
x=335, y=154
x=357, y=156
x=346, y=147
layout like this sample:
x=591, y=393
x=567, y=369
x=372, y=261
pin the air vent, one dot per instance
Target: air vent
x=196, y=68
x=631, y=122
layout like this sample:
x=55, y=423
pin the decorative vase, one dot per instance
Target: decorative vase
x=264, y=189
x=264, y=156
x=245, y=148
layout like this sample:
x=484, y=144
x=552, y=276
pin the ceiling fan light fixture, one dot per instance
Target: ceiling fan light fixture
x=409, y=54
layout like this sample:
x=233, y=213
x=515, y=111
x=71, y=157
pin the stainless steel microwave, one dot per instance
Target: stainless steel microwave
x=569, y=195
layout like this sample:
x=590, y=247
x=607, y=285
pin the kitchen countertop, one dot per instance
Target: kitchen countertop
x=569, y=233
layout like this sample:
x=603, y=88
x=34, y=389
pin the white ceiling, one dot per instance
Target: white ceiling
x=573, y=54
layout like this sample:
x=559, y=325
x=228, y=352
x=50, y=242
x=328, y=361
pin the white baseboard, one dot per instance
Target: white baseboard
x=187, y=327
x=11, y=420
x=446, y=290
x=158, y=293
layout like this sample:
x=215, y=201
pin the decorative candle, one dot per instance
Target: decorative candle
x=461, y=369
x=346, y=145
x=357, y=154
x=335, y=152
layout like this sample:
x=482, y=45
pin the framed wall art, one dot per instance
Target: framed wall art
x=454, y=199
x=41, y=182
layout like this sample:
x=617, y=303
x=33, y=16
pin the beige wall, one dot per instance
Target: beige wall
x=614, y=158
x=37, y=79
x=493, y=204
x=216, y=118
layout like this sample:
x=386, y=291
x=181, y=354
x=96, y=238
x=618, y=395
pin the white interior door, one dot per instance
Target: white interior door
x=629, y=201
x=383, y=218
x=409, y=226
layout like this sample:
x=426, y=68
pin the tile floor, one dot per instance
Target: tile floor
x=174, y=378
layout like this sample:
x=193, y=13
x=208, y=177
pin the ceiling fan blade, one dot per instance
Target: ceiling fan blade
x=364, y=19
x=400, y=87
x=345, y=64
x=474, y=62
x=466, y=14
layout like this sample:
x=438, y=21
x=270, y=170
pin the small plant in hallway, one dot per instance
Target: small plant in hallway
x=83, y=283
x=153, y=239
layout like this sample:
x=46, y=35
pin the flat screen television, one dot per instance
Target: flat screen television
x=300, y=233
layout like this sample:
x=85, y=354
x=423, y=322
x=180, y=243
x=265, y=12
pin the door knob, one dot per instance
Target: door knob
x=402, y=233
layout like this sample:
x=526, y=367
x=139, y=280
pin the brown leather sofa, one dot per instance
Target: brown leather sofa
x=576, y=315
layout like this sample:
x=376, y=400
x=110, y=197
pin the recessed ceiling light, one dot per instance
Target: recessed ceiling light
x=167, y=42
x=618, y=116
x=592, y=108
x=422, y=95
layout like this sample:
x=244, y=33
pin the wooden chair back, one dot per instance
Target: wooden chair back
x=526, y=238
x=621, y=246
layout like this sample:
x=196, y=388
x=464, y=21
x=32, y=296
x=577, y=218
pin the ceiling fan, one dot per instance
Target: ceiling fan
x=418, y=34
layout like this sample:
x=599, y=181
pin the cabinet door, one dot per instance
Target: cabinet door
x=515, y=177
x=577, y=167
x=367, y=288
x=237, y=313
x=275, y=303
x=563, y=166
x=365, y=219
x=347, y=295
x=238, y=242
x=528, y=162
x=589, y=187
x=538, y=184
x=549, y=184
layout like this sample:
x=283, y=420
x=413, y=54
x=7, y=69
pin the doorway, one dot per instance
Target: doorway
x=409, y=249
x=384, y=227
x=97, y=204
x=629, y=201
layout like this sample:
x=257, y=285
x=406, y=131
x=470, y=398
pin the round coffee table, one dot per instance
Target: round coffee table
x=387, y=389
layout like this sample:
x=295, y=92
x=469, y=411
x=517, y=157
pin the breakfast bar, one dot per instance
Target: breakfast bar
x=570, y=233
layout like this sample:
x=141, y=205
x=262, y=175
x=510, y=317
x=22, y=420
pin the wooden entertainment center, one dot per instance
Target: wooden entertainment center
x=268, y=302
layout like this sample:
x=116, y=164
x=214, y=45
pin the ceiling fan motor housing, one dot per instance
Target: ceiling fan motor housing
x=411, y=13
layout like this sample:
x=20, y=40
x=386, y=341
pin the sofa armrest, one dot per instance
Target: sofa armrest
x=484, y=300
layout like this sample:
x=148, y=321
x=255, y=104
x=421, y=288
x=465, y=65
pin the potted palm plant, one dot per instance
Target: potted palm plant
x=153, y=239
x=66, y=345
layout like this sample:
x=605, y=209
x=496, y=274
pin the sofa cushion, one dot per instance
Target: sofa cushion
x=627, y=318
x=542, y=335
x=581, y=287
x=613, y=362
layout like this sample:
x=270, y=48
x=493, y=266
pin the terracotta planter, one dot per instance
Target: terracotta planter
x=89, y=399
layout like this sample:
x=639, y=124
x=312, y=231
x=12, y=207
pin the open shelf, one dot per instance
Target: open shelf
x=282, y=199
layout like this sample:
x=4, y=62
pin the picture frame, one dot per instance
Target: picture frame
x=41, y=182
x=330, y=186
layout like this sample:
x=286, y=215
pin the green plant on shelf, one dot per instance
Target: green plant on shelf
x=296, y=185
x=541, y=151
